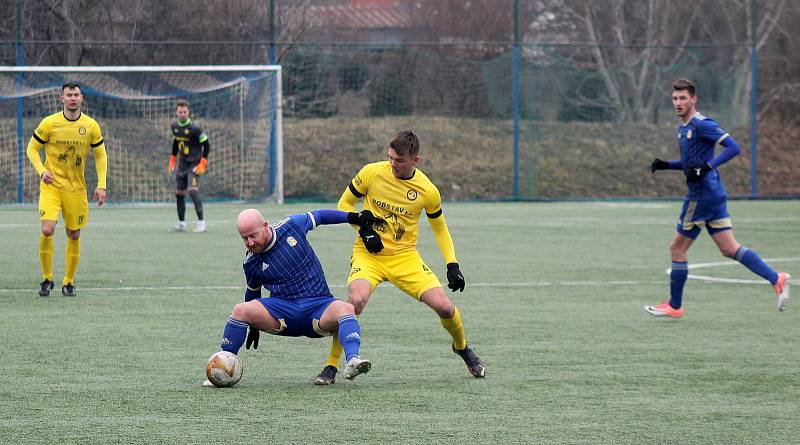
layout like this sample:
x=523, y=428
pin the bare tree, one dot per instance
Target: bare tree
x=631, y=42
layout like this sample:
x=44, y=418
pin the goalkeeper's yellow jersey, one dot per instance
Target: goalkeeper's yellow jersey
x=399, y=201
x=66, y=146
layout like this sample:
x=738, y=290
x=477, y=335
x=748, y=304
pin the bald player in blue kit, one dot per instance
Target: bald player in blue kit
x=280, y=259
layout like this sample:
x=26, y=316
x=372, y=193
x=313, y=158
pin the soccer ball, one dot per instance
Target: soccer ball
x=224, y=369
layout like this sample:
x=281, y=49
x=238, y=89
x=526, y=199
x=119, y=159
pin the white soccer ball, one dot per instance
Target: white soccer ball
x=224, y=369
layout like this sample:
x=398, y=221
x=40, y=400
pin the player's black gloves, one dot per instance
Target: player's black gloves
x=455, y=279
x=365, y=218
x=658, y=164
x=696, y=173
x=371, y=239
x=252, y=338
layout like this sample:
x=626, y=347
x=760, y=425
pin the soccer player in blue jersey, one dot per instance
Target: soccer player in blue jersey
x=706, y=202
x=280, y=259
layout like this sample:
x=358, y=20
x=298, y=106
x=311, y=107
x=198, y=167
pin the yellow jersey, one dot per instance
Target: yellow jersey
x=66, y=146
x=399, y=201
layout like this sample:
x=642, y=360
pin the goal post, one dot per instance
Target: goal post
x=238, y=106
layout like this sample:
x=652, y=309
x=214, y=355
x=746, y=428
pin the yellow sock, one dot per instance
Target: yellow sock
x=46, y=256
x=336, y=352
x=456, y=330
x=73, y=258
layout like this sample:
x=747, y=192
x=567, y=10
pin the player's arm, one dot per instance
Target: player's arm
x=200, y=168
x=253, y=289
x=38, y=139
x=711, y=131
x=324, y=217
x=730, y=149
x=174, y=156
x=100, y=165
x=349, y=199
x=34, y=146
x=442, y=235
x=251, y=292
x=455, y=279
x=433, y=210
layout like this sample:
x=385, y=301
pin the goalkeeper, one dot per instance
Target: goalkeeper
x=189, y=159
x=397, y=192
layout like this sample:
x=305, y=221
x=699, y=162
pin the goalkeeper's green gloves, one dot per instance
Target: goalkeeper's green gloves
x=455, y=279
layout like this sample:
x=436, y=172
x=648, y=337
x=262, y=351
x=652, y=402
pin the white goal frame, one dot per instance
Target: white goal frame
x=278, y=189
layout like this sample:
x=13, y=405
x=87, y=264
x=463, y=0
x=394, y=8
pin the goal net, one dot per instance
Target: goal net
x=237, y=106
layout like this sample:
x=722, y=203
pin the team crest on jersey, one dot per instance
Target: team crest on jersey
x=264, y=266
x=82, y=130
x=292, y=242
x=411, y=194
x=689, y=134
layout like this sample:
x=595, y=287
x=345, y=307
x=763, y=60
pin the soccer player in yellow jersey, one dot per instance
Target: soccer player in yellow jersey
x=397, y=191
x=66, y=137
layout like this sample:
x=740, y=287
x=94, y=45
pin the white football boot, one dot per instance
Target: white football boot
x=179, y=226
x=356, y=366
x=200, y=227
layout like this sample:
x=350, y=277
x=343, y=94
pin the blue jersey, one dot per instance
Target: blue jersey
x=698, y=139
x=288, y=267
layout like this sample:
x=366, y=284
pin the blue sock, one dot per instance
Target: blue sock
x=752, y=261
x=350, y=335
x=234, y=335
x=677, y=279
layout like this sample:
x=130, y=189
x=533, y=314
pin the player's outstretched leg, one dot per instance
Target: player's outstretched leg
x=474, y=363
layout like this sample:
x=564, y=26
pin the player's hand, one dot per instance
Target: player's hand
x=696, y=173
x=47, y=177
x=372, y=241
x=200, y=168
x=99, y=196
x=172, y=160
x=658, y=164
x=455, y=279
x=365, y=218
x=252, y=338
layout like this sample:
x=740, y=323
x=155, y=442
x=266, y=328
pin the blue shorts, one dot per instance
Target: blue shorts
x=711, y=213
x=299, y=317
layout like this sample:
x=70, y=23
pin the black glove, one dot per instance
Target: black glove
x=252, y=338
x=371, y=239
x=365, y=218
x=658, y=164
x=455, y=279
x=696, y=173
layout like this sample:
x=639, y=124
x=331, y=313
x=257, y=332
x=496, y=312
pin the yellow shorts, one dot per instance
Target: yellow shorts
x=73, y=206
x=406, y=270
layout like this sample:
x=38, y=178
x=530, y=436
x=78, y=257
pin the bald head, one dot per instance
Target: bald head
x=249, y=219
x=253, y=229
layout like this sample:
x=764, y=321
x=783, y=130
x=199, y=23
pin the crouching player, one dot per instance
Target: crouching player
x=280, y=259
